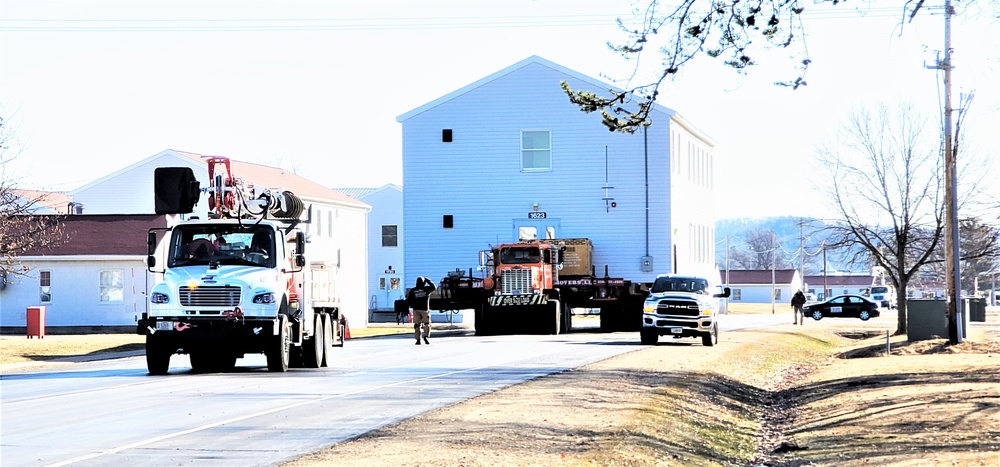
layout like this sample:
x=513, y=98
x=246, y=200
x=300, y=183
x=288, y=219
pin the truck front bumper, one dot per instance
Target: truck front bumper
x=677, y=326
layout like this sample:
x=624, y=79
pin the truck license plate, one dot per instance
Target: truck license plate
x=164, y=325
x=676, y=330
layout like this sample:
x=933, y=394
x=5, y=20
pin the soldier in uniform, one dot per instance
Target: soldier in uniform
x=798, y=300
x=417, y=299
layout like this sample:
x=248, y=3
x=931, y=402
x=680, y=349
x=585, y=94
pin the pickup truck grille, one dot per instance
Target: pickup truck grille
x=515, y=281
x=677, y=308
x=211, y=295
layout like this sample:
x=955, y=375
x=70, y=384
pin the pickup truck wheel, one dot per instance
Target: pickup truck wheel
x=648, y=337
x=279, y=347
x=157, y=356
x=712, y=337
x=328, y=331
x=312, y=349
x=817, y=315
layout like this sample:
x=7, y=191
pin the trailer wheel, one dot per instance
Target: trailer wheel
x=711, y=338
x=312, y=348
x=157, y=356
x=279, y=347
x=329, y=324
x=567, y=319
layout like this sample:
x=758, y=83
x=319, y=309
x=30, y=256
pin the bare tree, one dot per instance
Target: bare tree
x=21, y=230
x=885, y=178
x=677, y=32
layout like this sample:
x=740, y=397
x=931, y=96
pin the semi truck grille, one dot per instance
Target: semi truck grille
x=212, y=295
x=515, y=281
x=677, y=308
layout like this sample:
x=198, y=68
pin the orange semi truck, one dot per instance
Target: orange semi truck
x=532, y=286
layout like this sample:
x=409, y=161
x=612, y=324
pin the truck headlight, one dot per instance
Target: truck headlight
x=158, y=297
x=707, y=312
x=648, y=308
x=264, y=298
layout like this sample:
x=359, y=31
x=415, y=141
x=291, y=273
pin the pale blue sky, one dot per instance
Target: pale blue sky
x=315, y=86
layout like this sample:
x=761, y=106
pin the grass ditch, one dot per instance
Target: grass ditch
x=730, y=415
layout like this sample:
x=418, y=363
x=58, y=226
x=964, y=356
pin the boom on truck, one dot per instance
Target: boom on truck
x=532, y=286
x=237, y=282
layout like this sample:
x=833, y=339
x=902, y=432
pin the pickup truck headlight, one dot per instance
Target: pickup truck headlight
x=707, y=312
x=264, y=298
x=158, y=297
x=649, y=308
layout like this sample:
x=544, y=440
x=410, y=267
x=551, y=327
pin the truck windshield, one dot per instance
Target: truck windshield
x=524, y=255
x=880, y=290
x=680, y=284
x=225, y=244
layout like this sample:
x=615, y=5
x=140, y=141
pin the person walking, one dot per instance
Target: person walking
x=417, y=299
x=798, y=300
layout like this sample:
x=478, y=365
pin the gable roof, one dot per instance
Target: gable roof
x=271, y=177
x=838, y=280
x=45, y=202
x=103, y=234
x=361, y=193
x=274, y=177
x=534, y=59
x=758, y=276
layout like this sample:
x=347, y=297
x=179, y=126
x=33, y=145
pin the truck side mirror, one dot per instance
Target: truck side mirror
x=726, y=291
x=151, y=249
x=300, y=243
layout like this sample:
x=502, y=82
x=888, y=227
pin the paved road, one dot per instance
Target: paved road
x=113, y=413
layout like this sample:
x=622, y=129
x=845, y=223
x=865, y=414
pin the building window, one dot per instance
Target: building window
x=446, y=135
x=777, y=294
x=536, y=150
x=112, y=285
x=736, y=295
x=527, y=233
x=45, y=286
x=448, y=221
x=389, y=235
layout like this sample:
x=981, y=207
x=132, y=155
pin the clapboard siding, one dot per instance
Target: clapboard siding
x=478, y=180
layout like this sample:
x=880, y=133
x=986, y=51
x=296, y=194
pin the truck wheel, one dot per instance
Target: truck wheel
x=279, y=347
x=312, y=348
x=711, y=338
x=200, y=361
x=609, y=318
x=648, y=337
x=157, y=356
x=328, y=331
x=553, y=320
x=337, y=331
x=482, y=324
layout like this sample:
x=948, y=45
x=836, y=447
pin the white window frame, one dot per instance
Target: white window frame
x=525, y=150
x=45, y=286
x=101, y=286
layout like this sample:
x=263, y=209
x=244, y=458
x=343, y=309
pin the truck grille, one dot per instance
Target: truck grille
x=513, y=281
x=677, y=308
x=211, y=295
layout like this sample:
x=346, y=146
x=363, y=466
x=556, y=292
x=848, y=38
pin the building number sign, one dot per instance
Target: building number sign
x=536, y=215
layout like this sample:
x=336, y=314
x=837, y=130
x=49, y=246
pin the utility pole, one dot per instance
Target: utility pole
x=951, y=239
x=774, y=258
x=802, y=253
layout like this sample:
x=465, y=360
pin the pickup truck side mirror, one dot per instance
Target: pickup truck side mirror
x=726, y=291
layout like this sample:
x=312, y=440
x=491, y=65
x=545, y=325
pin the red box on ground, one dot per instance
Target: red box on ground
x=36, y=321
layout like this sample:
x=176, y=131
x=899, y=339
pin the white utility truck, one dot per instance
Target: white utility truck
x=237, y=282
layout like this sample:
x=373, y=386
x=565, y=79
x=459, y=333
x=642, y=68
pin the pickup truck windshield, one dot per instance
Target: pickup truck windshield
x=680, y=284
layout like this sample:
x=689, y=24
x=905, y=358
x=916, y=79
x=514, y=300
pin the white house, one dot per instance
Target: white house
x=760, y=285
x=508, y=157
x=385, y=243
x=337, y=228
x=97, y=279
